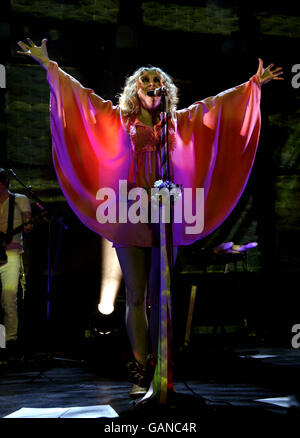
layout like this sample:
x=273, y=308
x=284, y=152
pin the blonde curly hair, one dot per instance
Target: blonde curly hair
x=128, y=100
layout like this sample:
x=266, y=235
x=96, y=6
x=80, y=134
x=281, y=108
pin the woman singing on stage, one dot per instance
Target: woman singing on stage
x=101, y=148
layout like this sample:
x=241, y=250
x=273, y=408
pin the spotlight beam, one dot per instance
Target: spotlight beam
x=111, y=277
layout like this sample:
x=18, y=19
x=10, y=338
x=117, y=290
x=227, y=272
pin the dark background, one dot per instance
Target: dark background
x=207, y=47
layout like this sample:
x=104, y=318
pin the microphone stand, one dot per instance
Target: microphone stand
x=165, y=166
x=162, y=385
x=50, y=216
x=163, y=378
x=166, y=235
x=38, y=202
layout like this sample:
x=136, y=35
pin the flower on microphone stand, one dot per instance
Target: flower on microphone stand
x=163, y=191
x=159, y=183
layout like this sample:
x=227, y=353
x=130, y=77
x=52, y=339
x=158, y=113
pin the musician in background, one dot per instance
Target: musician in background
x=15, y=210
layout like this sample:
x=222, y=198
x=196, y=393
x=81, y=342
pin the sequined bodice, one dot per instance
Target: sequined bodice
x=146, y=145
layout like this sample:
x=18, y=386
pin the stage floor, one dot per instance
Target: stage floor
x=247, y=377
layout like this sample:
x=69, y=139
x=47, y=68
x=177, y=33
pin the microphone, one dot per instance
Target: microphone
x=11, y=172
x=157, y=92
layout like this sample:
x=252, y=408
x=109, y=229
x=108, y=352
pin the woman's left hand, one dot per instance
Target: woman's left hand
x=265, y=75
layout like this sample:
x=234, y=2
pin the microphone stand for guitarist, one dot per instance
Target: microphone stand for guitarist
x=49, y=216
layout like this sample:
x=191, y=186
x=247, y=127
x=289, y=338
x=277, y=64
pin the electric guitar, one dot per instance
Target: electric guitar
x=5, y=238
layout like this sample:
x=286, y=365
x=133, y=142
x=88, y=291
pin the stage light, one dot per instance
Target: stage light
x=106, y=308
x=111, y=276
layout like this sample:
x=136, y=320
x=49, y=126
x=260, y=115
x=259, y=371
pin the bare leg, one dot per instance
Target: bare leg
x=141, y=273
x=133, y=262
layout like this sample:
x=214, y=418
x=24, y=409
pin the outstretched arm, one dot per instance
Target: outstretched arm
x=265, y=75
x=39, y=54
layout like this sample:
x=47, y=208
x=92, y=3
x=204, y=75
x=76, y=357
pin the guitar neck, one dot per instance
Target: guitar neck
x=9, y=235
x=17, y=229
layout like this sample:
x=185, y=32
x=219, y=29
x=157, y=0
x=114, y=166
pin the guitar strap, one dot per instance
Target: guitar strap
x=11, y=212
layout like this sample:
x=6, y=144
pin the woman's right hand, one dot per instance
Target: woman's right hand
x=39, y=54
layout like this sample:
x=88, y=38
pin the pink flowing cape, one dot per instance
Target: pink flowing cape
x=216, y=142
